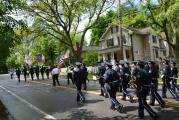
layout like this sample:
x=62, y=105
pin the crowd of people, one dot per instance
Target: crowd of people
x=141, y=75
x=31, y=71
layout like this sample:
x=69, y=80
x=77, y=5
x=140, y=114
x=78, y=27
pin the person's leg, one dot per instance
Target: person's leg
x=152, y=113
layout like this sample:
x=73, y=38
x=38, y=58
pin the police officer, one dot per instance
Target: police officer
x=42, y=70
x=85, y=72
x=37, y=72
x=143, y=89
x=31, y=70
x=25, y=72
x=69, y=75
x=174, y=75
x=125, y=78
x=78, y=78
x=111, y=78
x=47, y=71
x=118, y=70
x=100, y=72
x=154, y=74
x=166, y=80
x=18, y=73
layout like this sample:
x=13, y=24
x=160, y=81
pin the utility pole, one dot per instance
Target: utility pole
x=121, y=38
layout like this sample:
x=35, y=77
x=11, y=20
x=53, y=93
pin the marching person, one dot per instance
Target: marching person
x=18, y=73
x=85, y=72
x=69, y=74
x=174, y=74
x=55, y=74
x=25, y=73
x=111, y=78
x=166, y=80
x=31, y=72
x=118, y=70
x=143, y=89
x=125, y=78
x=42, y=70
x=37, y=72
x=154, y=74
x=47, y=71
x=78, y=78
x=100, y=72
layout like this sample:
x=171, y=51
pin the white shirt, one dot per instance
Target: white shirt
x=55, y=71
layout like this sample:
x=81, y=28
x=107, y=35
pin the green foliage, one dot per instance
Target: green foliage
x=90, y=58
x=100, y=27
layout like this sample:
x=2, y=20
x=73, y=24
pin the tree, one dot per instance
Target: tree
x=90, y=58
x=164, y=17
x=8, y=37
x=62, y=18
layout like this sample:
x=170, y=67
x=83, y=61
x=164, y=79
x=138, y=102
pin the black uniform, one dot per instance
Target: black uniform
x=47, y=71
x=37, y=72
x=42, y=70
x=18, y=73
x=85, y=72
x=101, y=71
x=78, y=80
x=143, y=89
x=125, y=78
x=154, y=74
x=118, y=70
x=32, y=73
x=25, y=73
x=174, y=74
x=111, y=78
x=166, y=81
x=69, y=75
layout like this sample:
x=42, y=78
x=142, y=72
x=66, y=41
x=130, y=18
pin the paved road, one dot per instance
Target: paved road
x=39, y=100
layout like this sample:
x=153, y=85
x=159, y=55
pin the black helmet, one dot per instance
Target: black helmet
x=78, y=63
x=151, y=62
x=141, y=64
x=173, y=62
x=108, y=64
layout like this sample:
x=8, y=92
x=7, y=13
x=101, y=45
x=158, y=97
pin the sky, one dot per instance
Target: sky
x=81, y=25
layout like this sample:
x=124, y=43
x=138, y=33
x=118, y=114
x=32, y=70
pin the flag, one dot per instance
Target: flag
x=60, y=62
x=27, y=60
x=41, y=59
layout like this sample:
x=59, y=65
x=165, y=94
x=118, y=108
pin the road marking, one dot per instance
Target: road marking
x=168, y=103
x=46, y=116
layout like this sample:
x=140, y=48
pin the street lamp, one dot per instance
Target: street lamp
x=131, y=33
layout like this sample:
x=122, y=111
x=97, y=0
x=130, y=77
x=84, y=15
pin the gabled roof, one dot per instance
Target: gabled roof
x=108, y=28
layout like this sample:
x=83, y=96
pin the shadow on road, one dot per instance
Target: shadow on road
x=84, y=114
x=4, y=115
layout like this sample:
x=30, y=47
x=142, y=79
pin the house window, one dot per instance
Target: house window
x=156, y=53
x=112, y=30
x=154, y=39
x=137, y=52
x=124, y=39
x=110, y=43
x=118, y=40
x=164, y=54
x=117, y=28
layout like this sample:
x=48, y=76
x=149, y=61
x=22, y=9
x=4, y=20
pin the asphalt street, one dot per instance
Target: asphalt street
x=39, y=100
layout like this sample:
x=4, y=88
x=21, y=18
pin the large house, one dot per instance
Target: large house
x=142, y=44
